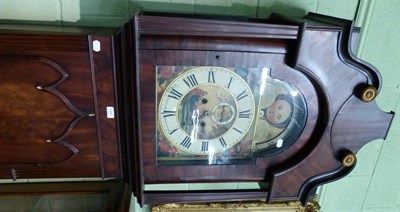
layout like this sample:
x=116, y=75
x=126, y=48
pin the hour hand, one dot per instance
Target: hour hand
x=205, y=113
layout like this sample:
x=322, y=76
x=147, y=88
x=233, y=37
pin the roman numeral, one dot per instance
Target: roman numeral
x=191, y=81
x=175, y=94
x=204, y=147
x=229, y=83
x=168, y=113
x=211, y=76
x=238, y=130
x=244, y=114
x=173, y=131
x=241, y=95
x=186, y=142
x=222, y=141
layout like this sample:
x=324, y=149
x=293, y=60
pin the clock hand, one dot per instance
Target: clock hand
x=222, y=113
x=205, y=113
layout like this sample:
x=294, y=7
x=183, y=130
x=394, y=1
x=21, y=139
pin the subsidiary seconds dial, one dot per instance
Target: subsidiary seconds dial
x=206, y=110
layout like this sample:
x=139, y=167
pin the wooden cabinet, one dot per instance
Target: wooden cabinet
x=54, y=95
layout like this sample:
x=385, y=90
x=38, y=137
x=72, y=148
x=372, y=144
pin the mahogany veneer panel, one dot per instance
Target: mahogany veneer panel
x=53, y=107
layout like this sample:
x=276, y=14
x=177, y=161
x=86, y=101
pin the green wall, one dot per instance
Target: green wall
x=374, y=183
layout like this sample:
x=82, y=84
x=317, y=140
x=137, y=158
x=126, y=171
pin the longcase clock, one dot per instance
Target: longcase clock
x=281, y=101
x=172, y=98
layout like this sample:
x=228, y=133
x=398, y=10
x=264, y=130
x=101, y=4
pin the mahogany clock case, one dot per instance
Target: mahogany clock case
x=81, y=102
x=312, y=54
x=150, y=58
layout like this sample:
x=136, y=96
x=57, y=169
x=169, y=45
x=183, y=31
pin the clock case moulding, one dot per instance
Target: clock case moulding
x=315, y=53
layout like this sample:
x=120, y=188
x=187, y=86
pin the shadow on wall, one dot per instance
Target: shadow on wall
x=112, y=14
x=236, y=9
x=115, y=13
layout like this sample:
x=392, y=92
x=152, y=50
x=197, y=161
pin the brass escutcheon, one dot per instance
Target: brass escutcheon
x=368, y=94
x=349, y=160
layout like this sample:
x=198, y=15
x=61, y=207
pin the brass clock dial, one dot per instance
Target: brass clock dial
x=218, y=115
x=206, y=110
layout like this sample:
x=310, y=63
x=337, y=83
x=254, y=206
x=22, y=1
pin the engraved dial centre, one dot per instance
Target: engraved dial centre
x=207, y=111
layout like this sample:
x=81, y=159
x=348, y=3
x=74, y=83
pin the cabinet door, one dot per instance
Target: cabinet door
x=50, y=124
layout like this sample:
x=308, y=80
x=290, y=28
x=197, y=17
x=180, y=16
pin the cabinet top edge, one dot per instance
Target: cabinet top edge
x=8, y=28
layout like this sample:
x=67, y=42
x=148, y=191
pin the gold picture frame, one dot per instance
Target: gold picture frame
x=288, y=206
